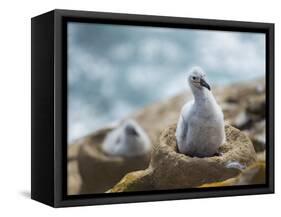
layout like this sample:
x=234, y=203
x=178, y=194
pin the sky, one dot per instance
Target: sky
x=114, y=70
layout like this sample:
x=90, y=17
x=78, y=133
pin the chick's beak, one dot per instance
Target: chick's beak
x=131, y=131
x=203, y=83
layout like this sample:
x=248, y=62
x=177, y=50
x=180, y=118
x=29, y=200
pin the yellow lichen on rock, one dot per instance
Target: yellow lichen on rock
x=134, y=181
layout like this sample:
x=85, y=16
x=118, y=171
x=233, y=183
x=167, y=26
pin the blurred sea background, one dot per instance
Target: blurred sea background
x=114, y=70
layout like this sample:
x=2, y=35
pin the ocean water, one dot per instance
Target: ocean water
x=114, y=70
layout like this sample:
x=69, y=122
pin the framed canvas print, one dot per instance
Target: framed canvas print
x=130, y=108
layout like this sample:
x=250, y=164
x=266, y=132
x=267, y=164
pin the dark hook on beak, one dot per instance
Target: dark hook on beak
x=131, y=131
x=203, y=83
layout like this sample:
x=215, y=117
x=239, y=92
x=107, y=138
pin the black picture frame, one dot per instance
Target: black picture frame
x=49, y=107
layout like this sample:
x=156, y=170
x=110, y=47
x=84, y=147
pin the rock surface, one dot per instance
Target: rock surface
x=171, y=170
x=249, y=114
x=74, y=181
x=253, y=175
x=99, y=172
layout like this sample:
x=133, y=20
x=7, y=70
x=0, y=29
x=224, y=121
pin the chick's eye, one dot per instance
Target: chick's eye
x=193, y=77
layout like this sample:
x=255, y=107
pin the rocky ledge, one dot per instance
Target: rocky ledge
x=169, y=169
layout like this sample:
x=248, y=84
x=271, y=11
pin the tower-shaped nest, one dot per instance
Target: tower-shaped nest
x=99, y=171
x=170, y=169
